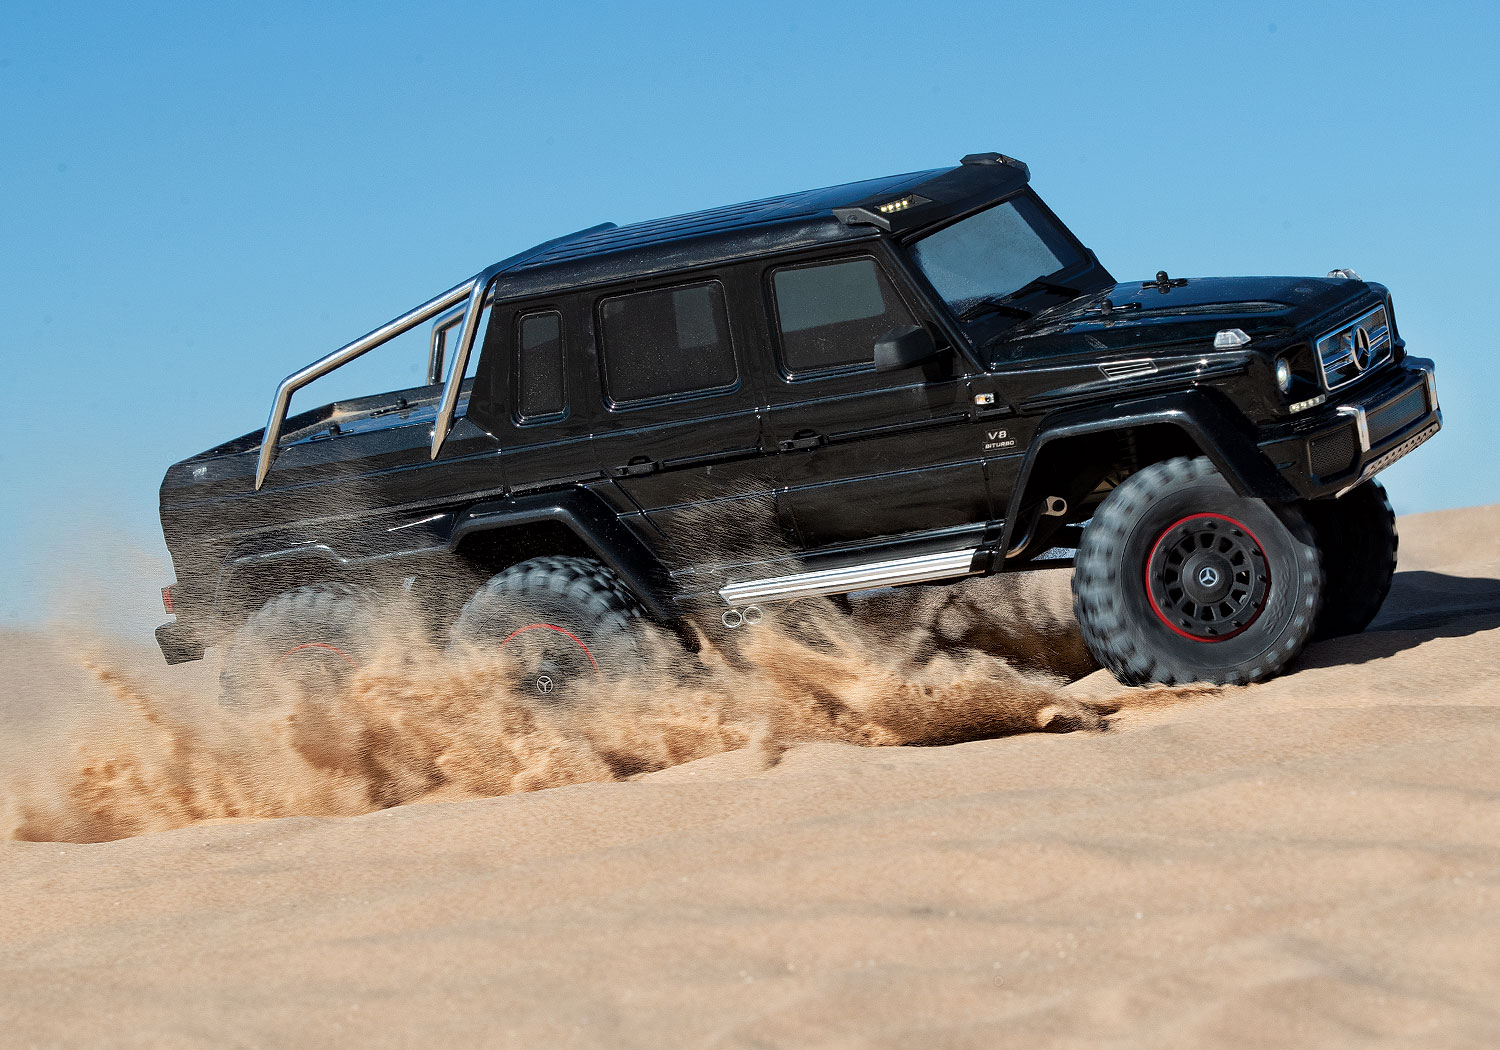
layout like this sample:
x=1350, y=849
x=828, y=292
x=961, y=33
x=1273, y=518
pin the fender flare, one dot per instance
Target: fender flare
x=582, y=512
x=1220, y=433
x=587, y=516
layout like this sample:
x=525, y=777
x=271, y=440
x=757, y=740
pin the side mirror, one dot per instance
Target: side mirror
x=903, y=347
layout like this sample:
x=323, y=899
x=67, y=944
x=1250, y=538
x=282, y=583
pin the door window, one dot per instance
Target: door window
x=540, y=390
x=666, y=342
x=829, y=315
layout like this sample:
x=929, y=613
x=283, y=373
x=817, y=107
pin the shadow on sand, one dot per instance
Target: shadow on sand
x=1422, y=605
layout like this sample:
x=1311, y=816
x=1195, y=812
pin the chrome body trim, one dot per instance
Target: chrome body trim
x=342, y=356
x=1361, y=423
x=892, y=572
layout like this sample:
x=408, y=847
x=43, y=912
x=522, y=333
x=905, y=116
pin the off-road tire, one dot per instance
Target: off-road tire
x=1122, y=592
x=316, y=634
x=1357, y=537
x=580, y=608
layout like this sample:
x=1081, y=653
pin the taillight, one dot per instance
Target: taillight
x=166, y=600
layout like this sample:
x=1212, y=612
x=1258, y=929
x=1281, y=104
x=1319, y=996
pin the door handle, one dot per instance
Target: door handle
x=636, y=467
x=803, y=439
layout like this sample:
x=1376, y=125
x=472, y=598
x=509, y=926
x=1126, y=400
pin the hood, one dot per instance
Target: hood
x=1136, y=316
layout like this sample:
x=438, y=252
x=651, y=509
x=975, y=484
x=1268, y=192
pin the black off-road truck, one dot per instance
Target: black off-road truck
x=906, y=380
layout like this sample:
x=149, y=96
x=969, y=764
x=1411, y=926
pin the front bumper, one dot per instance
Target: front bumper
x=178, y=644
x=1352, y=438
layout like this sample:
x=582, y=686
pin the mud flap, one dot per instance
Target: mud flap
x=177, y=644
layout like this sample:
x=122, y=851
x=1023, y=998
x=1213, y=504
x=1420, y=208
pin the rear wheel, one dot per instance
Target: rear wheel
x=1357, y=537
x=309, y=639
x=568, y=621
x=1178, y=579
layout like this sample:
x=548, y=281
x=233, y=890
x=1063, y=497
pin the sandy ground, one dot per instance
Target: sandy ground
x=1312, y=862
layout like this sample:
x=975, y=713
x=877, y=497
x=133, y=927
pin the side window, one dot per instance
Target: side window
x=666, y=341
x=540, y=393
x=829, y=315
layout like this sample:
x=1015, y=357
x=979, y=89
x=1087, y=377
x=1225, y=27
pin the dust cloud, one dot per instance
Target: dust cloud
x=420, y=723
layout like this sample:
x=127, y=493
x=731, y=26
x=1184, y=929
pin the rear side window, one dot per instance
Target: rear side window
x=540, y=393
x=666, y=341
x=830, y=314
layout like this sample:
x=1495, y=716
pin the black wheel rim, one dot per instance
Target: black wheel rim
x=1207, y=577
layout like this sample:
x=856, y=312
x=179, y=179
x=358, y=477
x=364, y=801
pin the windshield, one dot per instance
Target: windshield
x=994, y=253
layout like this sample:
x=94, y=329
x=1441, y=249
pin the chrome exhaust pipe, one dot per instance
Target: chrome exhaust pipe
x=749, y=617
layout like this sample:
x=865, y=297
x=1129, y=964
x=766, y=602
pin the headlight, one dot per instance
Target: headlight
x=1283, y=374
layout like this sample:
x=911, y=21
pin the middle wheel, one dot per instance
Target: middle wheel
x=567, y=621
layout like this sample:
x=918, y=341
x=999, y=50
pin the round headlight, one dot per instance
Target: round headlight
x=1283, y=375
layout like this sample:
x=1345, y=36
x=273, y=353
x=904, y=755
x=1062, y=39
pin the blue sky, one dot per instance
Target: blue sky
x=197, y=199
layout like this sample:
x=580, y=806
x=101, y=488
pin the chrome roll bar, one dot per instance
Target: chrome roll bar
x=436, y=350
x=344, y=354
x=449, y=405
x=471, y=293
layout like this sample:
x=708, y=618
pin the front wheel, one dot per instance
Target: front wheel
x=1178, y=579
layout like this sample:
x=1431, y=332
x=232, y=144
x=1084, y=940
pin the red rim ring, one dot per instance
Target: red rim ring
x=315, y=645
x=1217, y=555
x=560, y=630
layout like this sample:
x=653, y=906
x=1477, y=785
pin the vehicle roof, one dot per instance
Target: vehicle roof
x=792, y=220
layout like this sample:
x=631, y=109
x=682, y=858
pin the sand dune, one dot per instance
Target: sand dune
x=1310, y=862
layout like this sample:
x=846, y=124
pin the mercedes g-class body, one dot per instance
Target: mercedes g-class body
x=906, y=380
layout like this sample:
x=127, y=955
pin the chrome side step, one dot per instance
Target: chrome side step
x=890, y=573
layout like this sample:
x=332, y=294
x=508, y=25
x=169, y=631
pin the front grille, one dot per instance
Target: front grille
x=1349, y=352
x=1333, y=454
x=1397, y=414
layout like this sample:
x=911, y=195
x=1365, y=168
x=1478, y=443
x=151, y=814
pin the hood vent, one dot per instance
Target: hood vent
x=1128, y=369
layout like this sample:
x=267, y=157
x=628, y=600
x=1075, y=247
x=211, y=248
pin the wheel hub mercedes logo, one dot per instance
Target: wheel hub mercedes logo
x=544, y=684
x=1361, y=348
x=1208, y=576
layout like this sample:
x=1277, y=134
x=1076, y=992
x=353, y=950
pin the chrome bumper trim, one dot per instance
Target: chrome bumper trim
x=1361, y=423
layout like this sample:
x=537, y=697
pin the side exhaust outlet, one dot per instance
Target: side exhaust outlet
x=748, y=617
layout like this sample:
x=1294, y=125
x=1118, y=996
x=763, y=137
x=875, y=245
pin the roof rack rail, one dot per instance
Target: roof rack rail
x=471, y=292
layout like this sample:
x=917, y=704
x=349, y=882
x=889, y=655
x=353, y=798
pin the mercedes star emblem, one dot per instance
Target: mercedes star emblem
x=544, y=684
x=1208, y=576
x=1361, y=348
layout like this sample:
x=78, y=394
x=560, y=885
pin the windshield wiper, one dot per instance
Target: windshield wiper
x=994, y=304
x=1000, y=304
x=1039, y=285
